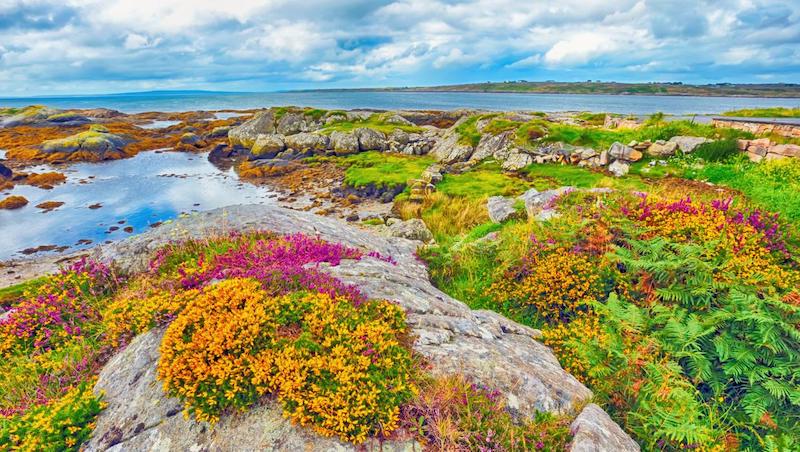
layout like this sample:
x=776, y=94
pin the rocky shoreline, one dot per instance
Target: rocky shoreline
x=285, y=148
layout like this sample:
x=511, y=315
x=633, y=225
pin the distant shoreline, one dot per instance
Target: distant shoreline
x=766, y=94
x=733, y=90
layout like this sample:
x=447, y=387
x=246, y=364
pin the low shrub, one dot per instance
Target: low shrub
x=337, y=367
x=550, y=283
x=59, y=310
x=451, y=413
x=717, y=151
x=60, y=425
x=680, y=315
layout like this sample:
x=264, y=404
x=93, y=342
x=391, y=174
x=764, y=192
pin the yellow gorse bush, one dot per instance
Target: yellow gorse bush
x=584, y=328
x=556, y=283
x=139, y=307
x=336, y=367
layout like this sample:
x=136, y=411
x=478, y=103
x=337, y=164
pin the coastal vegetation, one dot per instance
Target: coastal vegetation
x=265, y=321
x=377, y=169
x=669, y=289
x=774, y=112
x=677, y=312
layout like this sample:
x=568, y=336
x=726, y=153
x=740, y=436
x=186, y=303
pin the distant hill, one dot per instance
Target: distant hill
x=658, y=89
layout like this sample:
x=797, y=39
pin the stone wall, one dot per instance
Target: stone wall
x=760, y=126
x=763, y=148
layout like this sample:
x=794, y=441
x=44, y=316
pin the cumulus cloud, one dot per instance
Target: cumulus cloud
x=53, y=46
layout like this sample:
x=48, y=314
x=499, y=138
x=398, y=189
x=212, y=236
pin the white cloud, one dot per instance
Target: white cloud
x=136, y=41
x=531, y=61
x=121, y=45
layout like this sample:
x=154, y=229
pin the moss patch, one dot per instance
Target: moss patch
x=774, y=112
x=381, y=169
x=375, y=122
x=486, y=179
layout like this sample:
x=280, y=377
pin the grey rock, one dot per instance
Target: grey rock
x=603, y=158
x=448, y=149
x=98, y=140
x=358, y=115
x=413, y=229
x=219, y=132
x=307, y=141
x=491, y=145
x=370, y=139
x=397, y=120
x=433, y=174
x=536, y=202
x=344, y=143
x=619, y=168
x=530, y=195
x=292, y=123
x=621, y=152
x=546, y=215
x=267, y=146
x=662, y=148
x=400, y=137
x=594, y=431
x=68, y=118
x=516, y=161
x=32, y=115
x=245, y=134
x=500, y=208
x=586, y=153
x=190, y=138
x=688, y=144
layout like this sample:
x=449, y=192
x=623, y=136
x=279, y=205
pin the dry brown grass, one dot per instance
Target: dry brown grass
x=445, y=215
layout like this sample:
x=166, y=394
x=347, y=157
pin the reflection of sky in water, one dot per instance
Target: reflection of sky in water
x=228, y=114
x=140, y=190
x=159, y=124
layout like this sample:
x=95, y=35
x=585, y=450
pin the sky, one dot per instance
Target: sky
x=102, y=46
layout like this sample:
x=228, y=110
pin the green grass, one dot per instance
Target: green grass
x=774, y=112
x=594, y=119
x=381, y=169
x=773, y=185
x=486, y=179
x=375, y=122
x=548, y=176
x=9, y=111
x=12, y=293
x=500, y=125
x=599, y=138
x=468, y=132
x=717, y=151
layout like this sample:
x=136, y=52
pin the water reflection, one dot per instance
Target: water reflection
x=136, y=192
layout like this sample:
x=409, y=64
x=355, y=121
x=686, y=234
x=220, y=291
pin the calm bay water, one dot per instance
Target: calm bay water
x=137, y=192
x=638, y=105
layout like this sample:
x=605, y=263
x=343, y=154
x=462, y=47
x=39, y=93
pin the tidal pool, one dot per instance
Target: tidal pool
x=137, y=193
